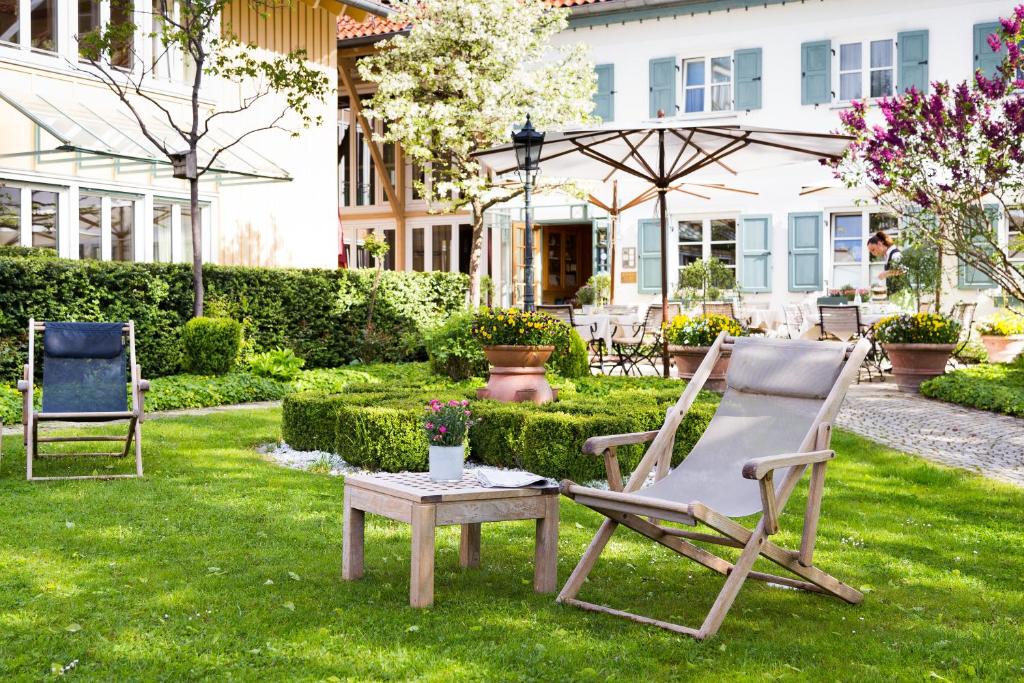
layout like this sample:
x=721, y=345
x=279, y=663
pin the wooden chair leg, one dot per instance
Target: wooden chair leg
x=138, y=448
x=587, y=562
x=733, y=583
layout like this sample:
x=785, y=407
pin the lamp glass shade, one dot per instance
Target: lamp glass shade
x=528, y=144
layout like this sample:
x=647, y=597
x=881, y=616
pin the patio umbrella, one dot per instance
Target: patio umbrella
x=664, y=155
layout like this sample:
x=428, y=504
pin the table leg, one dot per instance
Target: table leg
x=421, y=580
x=352, y=541
x=469, y=546
x=545, y=572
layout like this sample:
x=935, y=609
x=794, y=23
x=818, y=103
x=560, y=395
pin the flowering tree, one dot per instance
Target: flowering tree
x=458, y=82
x=194, y=33
x=943, y=159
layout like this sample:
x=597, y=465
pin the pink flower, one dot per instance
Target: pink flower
x=442, y=429
x=430, y=425
x=465, y=402
x=467, y=413
x=994, y=42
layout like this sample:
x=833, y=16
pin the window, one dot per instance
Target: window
x=891, y=226
x=344, y=158
x=88, y=18
x=162, y=230
x=366, y=176
x=185, y=233
x=10, y=216
x=122, y=229
x=121, y=50
x=418, y=250
x=708, y=238
x=701, y=93
x=388, y=153
x=1014, y=236
x=441, y=242
x=44, y=25
x=9, y=25
x=880, y=74
x=90, y=227
x=44, y=218
x=852, y=264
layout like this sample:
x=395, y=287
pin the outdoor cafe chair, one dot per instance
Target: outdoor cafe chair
x=773, y=422
x=85, y=373
x=727, y=309
x=595, y=344
x=641, y=342
x=794, y=317
x=843, y=323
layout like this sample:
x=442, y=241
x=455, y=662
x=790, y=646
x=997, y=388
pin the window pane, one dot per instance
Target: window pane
x=185, y=233
x=695, y=72
x=366, y=177
x=726, y=253
x=389, y=260
x=721, y=97
x=881, y=83
x=721, y=69
x=387, y=150
x=884, y=221
x=89, y=227
x=694, y=99
x=847, y=275
x=417, y=249
x=9, y=21
x=121, y=53
x=442, y=248
x=881, y=53
x=847, y=225
x=44, y=25
x=723, y=230
x=850, y=57
x=88, y=17
x=122, y=229
x=162, y=233
x=690, y=231
x=44, y=219
x=10, y=216
x=688, y=253
x=850, y=86
x=848, y=251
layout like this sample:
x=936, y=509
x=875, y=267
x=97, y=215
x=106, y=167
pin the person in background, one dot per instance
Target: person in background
x=880, y=245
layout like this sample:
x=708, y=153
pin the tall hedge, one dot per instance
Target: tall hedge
x=320, y=314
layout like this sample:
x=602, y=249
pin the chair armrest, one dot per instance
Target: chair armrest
x=23, y=386
x=143, y=385
x=597, y=445
x=757, y=468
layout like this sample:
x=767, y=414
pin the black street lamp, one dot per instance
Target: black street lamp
x=528, y=143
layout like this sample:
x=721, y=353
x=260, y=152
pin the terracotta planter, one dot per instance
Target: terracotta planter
x=517, y=374
x=1003, y=349
x=689, y=358
x=915, y=363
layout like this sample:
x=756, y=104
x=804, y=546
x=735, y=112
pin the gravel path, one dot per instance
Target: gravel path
x=978, y=440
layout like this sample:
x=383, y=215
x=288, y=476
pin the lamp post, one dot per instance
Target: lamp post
x=528, y=143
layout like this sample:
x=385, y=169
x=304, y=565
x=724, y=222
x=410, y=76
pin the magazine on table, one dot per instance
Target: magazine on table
x=492, y=477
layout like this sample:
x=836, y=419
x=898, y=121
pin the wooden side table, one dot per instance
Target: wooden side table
x=413, y=498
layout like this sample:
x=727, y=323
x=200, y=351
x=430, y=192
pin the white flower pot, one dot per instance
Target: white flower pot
x=446, y=463
x=587, y=308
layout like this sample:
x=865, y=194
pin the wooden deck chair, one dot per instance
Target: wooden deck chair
x=84, y=380
x=774, y=421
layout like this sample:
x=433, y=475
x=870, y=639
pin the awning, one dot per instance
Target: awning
x=102, y=129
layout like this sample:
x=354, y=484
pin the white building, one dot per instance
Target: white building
x=77, y=175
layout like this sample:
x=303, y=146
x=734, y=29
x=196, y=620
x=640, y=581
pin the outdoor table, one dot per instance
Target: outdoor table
x=412, y=497
x=761, y=317
x=604, y=325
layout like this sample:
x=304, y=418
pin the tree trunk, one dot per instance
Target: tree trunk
x=476, y=254
x=197, y=248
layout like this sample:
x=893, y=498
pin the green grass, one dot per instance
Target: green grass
x=995, y=387
x=220, y=565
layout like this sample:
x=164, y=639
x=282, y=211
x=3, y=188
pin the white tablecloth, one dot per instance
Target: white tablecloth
x=602, y=326
x=764, y=318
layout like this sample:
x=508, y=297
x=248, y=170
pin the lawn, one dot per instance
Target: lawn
x=221, y=565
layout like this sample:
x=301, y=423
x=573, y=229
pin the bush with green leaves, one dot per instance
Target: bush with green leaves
x=704, y=280
x=997, y=387
x=570, y=359
x=319, y=314
x=453, y=349
x=211, y=345
x=280, y=364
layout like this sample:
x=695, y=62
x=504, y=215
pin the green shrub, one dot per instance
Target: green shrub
x=453, y=350
x=280, y=364
x=319, y=314
x=13, y=251
x=997, y=387
x=211, y=345
x=202, y=391
x=570, y=360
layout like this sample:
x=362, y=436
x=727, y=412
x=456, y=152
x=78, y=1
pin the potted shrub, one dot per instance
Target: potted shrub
x=1003, y=336
x=602, y=285
x=918, y=346
x=690, y=338
x=446, y=425
x=516, y=345
x=586, y=296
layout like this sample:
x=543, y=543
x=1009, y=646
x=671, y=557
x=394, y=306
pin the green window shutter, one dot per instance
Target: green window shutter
x=816, y=72
x=604, y=96
x=969, y=277
x=912, y=50
x=805, y=252
x=755, y=266
x=984, y=58
x=663, y=86
x=747, y=65
x=648, y=242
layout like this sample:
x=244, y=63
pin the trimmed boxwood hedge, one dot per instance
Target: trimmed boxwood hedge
x=319, y=314
x=378, y=426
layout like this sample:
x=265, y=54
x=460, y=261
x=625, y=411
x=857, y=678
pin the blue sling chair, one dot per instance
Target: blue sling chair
x=84, y=378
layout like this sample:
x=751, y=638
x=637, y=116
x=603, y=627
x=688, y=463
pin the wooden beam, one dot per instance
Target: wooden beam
x=357, y=108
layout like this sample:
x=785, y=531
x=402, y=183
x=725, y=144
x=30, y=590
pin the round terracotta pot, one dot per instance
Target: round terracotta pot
x=915, y=363
x=512, y=356
x=1003, y=349
x=689, y=358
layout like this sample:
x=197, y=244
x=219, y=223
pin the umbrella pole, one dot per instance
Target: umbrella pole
x=663, y=210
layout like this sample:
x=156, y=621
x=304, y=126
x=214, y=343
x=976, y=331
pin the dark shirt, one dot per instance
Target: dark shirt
x=894, y=283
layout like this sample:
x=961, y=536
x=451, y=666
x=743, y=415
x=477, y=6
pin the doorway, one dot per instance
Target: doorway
x=567, y=260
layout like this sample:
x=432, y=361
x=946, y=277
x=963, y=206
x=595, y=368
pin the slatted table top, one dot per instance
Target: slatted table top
x=418, y=487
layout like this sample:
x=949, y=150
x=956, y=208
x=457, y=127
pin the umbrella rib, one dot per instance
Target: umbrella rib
x=636, y=153
x=714, y=158
x=603, y=158
x=686, y=143
x=701, y=150
x=725, y=188
x=554, y=155
x=623, y=160
x=789, y=148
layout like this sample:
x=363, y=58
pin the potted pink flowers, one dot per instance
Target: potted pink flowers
x=447, y=424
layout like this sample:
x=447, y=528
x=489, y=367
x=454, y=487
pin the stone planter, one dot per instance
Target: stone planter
x=689, y=358
x=1003, y=349
x=915, y=363
x=517, y=374
x=446, y=463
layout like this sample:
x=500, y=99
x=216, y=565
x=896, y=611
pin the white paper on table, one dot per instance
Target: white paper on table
x=507, y=479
